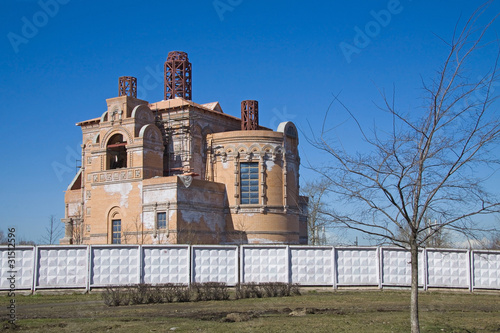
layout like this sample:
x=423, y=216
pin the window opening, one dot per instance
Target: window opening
x=161, y=220
x=117, y=152
x=249, y=180
x=117, y=231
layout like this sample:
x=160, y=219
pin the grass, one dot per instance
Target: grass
x=314, y=311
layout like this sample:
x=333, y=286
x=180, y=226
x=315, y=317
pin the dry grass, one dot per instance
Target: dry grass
x=340, y=311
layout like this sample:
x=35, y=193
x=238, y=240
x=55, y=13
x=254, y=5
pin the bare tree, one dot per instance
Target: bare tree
x=437, y=236
x=494, y=242
x=317, y=219
x=3, y=238
x=53, y=231
x=427, y=163
x=77, y=231
x=241, y=226
x=140, y=235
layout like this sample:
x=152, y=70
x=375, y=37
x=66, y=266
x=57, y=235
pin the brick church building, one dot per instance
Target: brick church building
x=175, y=171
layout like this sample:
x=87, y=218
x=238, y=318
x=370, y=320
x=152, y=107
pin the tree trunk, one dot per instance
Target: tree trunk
x=415, y=325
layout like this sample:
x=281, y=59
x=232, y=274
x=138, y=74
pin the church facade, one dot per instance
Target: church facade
x=176, y=172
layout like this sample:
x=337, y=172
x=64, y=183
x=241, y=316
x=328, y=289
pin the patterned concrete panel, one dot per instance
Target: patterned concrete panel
x=486, y=268
x=448, y=268
x=357, y=266
x=215, y=264
x=62, y=267
x=396, y=267
x=165, y=264
x=264, y=264
x=311, y=266
x=113, y=265
x=23, y=267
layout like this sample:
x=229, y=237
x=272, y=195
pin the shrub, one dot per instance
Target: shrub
x=182, y=293
x=168, y=292
x=137, y=293
x=210, y=291
x=156, y=294
x=295, y=289
x=115, y=296
x=268, y=289
x=219, y=291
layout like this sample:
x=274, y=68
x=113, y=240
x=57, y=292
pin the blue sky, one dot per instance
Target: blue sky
x=60, y=60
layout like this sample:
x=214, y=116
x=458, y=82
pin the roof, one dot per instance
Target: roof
x=89, y=122
x=178, y=102
x=215, y=106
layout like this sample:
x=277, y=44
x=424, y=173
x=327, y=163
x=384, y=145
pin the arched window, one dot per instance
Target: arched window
x=116, y=152
x=116, y=226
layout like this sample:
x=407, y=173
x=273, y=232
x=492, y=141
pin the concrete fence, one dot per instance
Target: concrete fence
x=93, y=266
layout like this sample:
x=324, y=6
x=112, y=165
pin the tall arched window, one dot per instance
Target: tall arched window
x=116, y=152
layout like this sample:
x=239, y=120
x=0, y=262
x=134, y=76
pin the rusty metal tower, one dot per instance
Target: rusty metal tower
x=249, y=115
x=127, y=86
x=178, y=76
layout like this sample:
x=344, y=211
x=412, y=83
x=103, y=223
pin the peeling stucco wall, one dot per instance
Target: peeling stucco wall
x=120, y=189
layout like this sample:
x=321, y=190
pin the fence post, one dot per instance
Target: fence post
x=35, y=269
x=380, y=264
x=87, y=268
x=190, y=264
x=236, y=265
x=425, y=260
x=334, y=267
x=242, y=263
x=139, y=263
x=91, y=265
x=288, y=265
x=471, y=270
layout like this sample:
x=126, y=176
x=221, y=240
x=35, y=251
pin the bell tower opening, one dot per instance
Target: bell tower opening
x=116, y=152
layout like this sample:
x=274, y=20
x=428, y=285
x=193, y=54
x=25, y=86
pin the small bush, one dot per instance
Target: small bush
x=219, y=291
x=168, y=292
x=115, y=296
x=138, y=294
x=156, y=294
x=295, y=289
x=249, y=290
x=210, y=291
x=268, y=289
x=182, y=293
x=271, y=289
x=240, y=291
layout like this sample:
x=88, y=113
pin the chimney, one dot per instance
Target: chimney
x=249, y=115
x=177, y=76
x=127, y=86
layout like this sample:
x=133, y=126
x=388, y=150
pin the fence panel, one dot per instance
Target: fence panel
x=357, y=266
x=82, y=266
x=396, y=267
x=62, y=267
x=264, y=264
x=23, y=267
x=165, y=264
x=448, y=268
x=114, y=265
x=215, y=264
x=486, y=269
x=311, y=266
